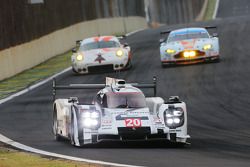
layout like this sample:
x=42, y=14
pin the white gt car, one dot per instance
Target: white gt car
x=189, y=45
x=120, y=111
x=100, y=53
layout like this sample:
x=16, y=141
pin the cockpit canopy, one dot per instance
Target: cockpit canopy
x=123, y=100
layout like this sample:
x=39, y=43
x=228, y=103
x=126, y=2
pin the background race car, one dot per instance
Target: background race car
x=120, y=112
x=101, y=53
x=189, y=45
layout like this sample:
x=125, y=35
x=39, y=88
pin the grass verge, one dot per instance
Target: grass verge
x=14, y=158
x=210, y=10
x=35, y=74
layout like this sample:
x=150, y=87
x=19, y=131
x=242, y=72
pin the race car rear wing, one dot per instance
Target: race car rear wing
x=206, y=27
x=100, y=86
x=210, y=27
x=165, y=32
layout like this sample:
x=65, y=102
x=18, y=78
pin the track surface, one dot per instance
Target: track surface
x=217, y=96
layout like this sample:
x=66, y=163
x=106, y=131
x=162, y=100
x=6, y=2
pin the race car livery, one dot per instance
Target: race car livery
x=120, y=111
x=100, y=53
x=189, y=45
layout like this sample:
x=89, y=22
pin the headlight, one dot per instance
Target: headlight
x=207, y=46
x=91, y=119
x=94, y=115
x=119, y=53
x=79, y=57
x=87, y=122
x=86, y=114
x=170, y=51
x=188, y=54
x=174, y=117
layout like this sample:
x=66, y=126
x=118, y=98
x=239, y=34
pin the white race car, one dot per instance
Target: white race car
x=100, y=53
x=189, y=45
x=120, y=111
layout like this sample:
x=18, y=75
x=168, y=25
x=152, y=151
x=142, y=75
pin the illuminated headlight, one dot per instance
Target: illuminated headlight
x=170, y=51
x=79, y=57
x=86, y=114
x=94, y=115
x=94, y=122
x=87, y=122
x=174, y=117
x=91, y=119
x=176, y=120
x=119, y=53
x=188, y=54
x=207, y=46
x=170, y=121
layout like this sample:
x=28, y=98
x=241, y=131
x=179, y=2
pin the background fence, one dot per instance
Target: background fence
x=172, y=11
x=21, y=21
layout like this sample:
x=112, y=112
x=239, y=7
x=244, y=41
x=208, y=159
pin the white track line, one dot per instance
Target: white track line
x=133, y=32
x=216, y=9
x=8, y=141
x=33, y=86
x=34, y=150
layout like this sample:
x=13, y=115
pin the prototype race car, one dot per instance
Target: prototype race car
x=189, y=45
x=100, y=53
x=120, y=111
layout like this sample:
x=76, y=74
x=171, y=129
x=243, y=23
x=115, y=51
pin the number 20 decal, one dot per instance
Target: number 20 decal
x=133, y=122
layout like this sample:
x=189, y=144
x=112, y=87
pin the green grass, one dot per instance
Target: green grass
x=13, y=158
x=210, y=10
x=35, y=74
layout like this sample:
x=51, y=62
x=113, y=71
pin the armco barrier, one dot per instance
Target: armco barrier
x=16, y=59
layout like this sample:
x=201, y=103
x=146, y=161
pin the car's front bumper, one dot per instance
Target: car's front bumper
x=191, y=60
x=84, y=68
x=137, y=134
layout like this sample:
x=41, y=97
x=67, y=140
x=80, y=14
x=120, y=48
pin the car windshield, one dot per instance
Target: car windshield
x=99, y=45
x=126, y=100
x=186, y=36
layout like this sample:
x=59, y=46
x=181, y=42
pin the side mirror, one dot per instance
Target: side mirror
x=73, y=100
x=74, y=50
x=215, y=35
x=174, y=99
x=78, y=43
x=125, y=45
x=161, y=41
x=123, y=36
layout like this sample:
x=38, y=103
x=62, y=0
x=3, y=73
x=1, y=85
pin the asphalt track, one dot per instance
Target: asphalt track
x=217, y=96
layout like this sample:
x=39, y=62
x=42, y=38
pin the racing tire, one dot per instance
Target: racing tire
x=79, y=131
x=74, y=71
x=217, y=60
x=129, y=65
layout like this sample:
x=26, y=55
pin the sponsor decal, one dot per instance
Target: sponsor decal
x=106, y=128
x=106, y=121
x=133, y=122
x=175, y=130
x=106, y=50
x=188, y=45
x=107, y=38
x=123, y=117
x=96, y=39
x=99, y=58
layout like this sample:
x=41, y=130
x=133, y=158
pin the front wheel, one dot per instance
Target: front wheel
x=76, y=132
x=129, y=64
x=55, y=127
x=74, y=71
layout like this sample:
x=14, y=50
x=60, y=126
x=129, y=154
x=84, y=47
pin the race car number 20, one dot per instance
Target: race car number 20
x=133, y=122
